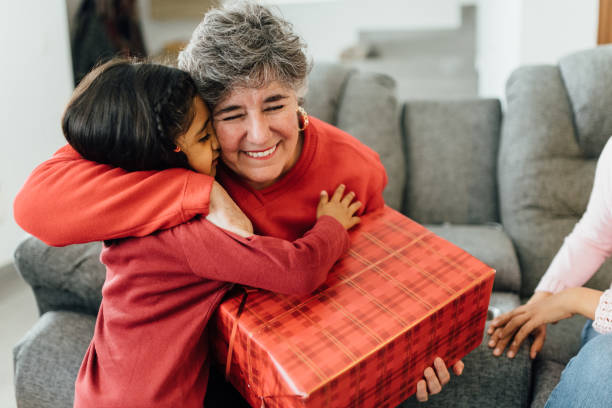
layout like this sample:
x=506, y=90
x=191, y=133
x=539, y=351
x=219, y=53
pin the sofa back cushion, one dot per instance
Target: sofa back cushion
x=556, y=123
x=365, y=105
x=588, y=80
x=451, y=159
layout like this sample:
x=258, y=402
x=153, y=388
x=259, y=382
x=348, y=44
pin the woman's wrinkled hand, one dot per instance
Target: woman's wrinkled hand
x=225, y=214
x=436, y=378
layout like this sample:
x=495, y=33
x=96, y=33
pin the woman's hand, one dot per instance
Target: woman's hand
x=497, y=326
x=435, y=380
x=224, y=213
x=339, y=207
x=542, y=308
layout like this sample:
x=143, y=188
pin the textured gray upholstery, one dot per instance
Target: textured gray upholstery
x=546, y=375
x=490, y=244
x=588, y=81
x=66, y=278
x=451, y=156
x=545, y=175
x=365, y=105
x=48, y=358
x=371, y=116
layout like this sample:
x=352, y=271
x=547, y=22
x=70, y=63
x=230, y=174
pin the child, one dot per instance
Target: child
x=150, y=342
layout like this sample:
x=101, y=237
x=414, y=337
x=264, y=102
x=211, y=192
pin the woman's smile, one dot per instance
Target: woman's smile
x=262, y=154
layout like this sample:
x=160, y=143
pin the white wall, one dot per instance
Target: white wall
x=512, y=33
x=158, y=33
x=554, y=28
x=36, y=82
x=329, y=27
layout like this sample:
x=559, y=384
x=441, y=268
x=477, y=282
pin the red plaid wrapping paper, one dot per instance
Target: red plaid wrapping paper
x=400, y=297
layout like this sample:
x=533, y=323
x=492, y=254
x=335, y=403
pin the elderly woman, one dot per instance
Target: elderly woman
x=251, y=68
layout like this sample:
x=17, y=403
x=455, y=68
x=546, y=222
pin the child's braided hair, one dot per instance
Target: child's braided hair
x=129, y=114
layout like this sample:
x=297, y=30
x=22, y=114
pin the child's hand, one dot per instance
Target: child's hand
x=514, y=326
x=339, y=207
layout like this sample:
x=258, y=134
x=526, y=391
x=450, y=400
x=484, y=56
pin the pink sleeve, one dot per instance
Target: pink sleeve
x=68, y=200
x=590, y=243
x=297, y=267
x=603, y=314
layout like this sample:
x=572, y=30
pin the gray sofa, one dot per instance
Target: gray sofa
x=453, y=166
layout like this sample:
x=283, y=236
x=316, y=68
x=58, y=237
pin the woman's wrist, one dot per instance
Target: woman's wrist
x=539, y=296
x=583, y=301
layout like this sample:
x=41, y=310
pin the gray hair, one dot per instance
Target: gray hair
x=244, y=44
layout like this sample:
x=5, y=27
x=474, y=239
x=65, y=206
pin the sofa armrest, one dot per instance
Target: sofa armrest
x=62, y=278
x=48, y=357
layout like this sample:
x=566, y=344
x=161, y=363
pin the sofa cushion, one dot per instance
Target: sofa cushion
x=504, y=301
x=48, y=358
x=588, y=79
x=63, y=278
x=546, y=376
x=491, y=245
x=327, y=83
x=370, y=112
x=544, y=178
x=563, y=340
x=365, y=105
x=451, y=156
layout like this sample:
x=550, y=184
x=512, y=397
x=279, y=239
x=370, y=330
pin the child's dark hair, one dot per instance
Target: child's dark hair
x=128, y=114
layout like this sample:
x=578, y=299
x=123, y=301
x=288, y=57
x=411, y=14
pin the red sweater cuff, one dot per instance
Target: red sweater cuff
x=196, y=196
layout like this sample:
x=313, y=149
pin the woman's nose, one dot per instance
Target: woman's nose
x=257, y=132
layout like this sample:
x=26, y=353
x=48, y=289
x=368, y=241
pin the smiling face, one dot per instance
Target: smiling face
x=199, y=142
x=258, y=132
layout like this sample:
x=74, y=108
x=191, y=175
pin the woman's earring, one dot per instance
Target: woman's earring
x=177, y=149
x=302, y=118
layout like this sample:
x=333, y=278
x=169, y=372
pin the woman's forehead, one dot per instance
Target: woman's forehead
x=256, y=94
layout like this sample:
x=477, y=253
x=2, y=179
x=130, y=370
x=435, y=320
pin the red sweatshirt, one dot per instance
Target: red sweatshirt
x=103, y=203
x=150, y=345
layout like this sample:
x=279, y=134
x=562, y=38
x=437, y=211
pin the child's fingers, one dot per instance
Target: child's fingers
x=338, y=193
x=515, y=324
x=500, y=321
x=354, y=207
x=501, y=346
x=347, y=199
x=538, y=342
x=495, y=336
x=324, y=198
x=520, y=337
x=353, y=221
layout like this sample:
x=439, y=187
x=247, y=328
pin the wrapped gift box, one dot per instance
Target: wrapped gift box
x=400, y=297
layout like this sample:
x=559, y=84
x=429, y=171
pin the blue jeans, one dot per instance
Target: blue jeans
x=585, y=381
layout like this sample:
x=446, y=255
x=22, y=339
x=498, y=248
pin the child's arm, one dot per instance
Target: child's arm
x=68, y=200
x=274, y=264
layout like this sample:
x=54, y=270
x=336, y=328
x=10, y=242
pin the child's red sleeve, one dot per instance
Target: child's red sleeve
x=294, y=268
x=68, y=200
